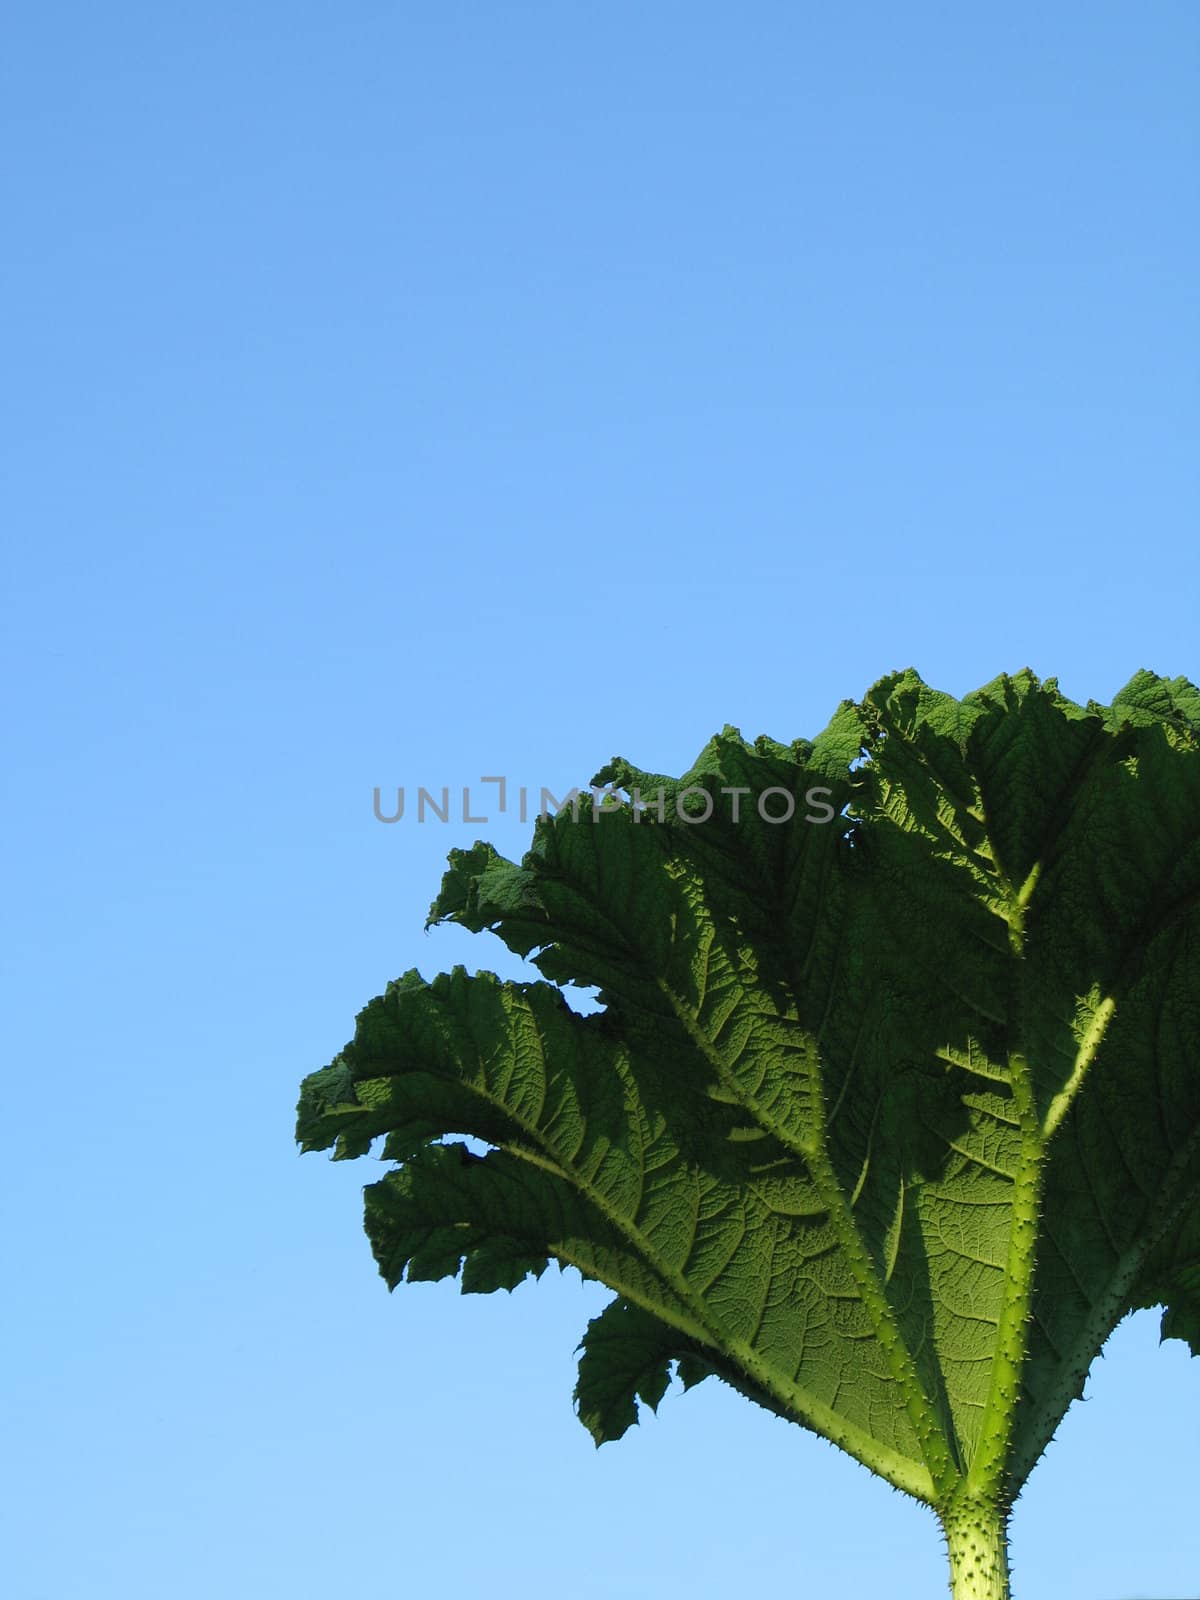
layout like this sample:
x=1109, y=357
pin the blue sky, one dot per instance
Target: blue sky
x=398, y=394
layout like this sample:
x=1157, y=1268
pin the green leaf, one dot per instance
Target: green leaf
x=886, y=1120
x=627, y=1356
x=1171, y=1279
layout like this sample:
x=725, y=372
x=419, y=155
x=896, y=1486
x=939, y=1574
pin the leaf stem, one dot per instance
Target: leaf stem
x=977, y=1546
x=986, y=1475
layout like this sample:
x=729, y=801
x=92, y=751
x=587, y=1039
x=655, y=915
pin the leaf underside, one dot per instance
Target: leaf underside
x=887, y=1121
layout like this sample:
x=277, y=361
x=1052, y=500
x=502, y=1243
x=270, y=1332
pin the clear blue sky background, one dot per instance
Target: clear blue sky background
x=399, y=393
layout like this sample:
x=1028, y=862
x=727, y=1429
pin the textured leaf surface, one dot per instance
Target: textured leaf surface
x=887, y=1120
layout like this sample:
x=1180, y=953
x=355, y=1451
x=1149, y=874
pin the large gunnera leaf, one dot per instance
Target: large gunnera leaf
x=890, y=1111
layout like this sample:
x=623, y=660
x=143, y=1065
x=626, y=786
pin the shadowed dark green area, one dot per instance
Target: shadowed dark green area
x=886, y=1120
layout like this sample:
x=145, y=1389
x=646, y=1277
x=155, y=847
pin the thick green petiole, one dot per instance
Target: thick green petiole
x=977, y=1544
